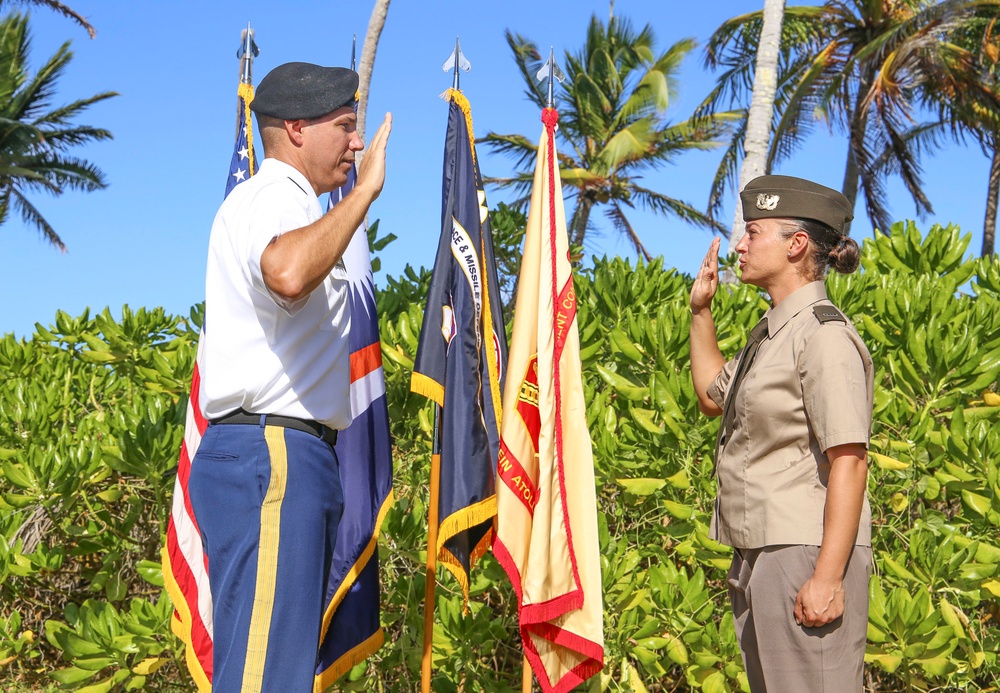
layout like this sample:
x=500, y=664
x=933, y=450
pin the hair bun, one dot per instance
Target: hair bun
x=845, y=256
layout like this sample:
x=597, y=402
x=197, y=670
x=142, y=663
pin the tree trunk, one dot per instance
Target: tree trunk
x=581, y=216
x=765, y=84
x=856, y=141
x=990, y=225
x=758, y=136
x=375, y=24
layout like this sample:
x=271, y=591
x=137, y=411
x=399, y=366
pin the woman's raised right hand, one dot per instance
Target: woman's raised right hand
x=706, y=282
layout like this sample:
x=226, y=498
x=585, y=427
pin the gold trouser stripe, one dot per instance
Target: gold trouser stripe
x=267, y=561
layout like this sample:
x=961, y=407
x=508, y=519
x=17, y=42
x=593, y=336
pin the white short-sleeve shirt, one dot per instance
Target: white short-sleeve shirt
x=261, y=353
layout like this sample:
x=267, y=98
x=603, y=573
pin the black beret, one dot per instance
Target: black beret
x=300, y=91
x=769, y=197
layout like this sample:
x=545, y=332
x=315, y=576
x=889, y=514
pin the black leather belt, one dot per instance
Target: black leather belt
x=312, y=427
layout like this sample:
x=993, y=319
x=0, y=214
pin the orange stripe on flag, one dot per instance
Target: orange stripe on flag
x=364, y=361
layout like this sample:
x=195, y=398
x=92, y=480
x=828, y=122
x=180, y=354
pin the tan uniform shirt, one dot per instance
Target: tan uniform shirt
x=809, y=388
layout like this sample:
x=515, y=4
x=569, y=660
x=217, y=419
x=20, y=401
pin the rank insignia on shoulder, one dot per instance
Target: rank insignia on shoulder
x=827, y=314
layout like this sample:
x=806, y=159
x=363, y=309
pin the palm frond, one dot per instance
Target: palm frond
x=62, y=9
x=800, y=93
x=32, y=217
x=620, y=222
x=518, y=147
x=34, y=135
x=727, y=173
x=529, y=62
x=669, y=206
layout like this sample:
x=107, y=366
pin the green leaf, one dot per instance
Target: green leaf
x=977, y=503
x=715, y=683
x=93, y=663
x=938, y=666
x=677, y=652
x=992, y=586
x=632, y=600
x=626, y=346
x=151, y=572
x=644, y=417
x=681, y=512
x=102, y=687
x=897, y=569
x=977, y=571
x=71, y=675
x=886, y=462
x=111, y=495
x=646, y=658
x=642, y=487
x=16, y=474
x=888, y=663
x=115, y=588
x=149, y=665
x=680, y=480
x=622, y=385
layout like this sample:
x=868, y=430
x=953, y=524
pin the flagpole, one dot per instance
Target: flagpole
x=432, y=531
x=433, y=502
x=247, y=52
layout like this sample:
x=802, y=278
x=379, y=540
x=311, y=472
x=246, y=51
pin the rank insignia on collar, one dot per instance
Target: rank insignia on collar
x=767, y=203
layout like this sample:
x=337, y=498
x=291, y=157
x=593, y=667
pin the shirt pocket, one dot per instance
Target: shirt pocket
x=333, y=297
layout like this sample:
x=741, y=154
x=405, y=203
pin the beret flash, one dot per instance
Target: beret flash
x=301, y=91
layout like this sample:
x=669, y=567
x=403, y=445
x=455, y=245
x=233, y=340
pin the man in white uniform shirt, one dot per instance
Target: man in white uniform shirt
x=265, y=481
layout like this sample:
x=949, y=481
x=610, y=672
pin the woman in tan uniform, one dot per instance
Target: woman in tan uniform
x=791, y=459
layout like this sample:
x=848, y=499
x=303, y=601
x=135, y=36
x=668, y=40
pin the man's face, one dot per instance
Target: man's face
x=329, y=144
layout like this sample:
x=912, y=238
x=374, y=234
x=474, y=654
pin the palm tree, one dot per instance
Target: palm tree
x=58, y=7
x=971, y=107
x=34, y=135
x=758, y=130
x=862, y=66
x=375, y=24
x=986, y=123
x=612, y=126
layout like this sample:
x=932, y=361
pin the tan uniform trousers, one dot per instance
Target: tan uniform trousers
x=781, y=656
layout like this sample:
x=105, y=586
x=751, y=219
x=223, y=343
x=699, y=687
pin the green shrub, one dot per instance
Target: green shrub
x=91, y=419
x=92, y=411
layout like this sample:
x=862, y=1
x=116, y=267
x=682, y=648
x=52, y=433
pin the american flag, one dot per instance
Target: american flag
x=185, y=566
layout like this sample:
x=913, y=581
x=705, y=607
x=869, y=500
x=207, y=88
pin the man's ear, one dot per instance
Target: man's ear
x=293, y=128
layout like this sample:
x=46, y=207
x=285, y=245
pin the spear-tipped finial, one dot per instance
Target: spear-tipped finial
x=548, y=71
x=455, y=61
x=246, y=53
x=354, y=52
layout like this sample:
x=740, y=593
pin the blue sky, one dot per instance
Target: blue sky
x=142, y=241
